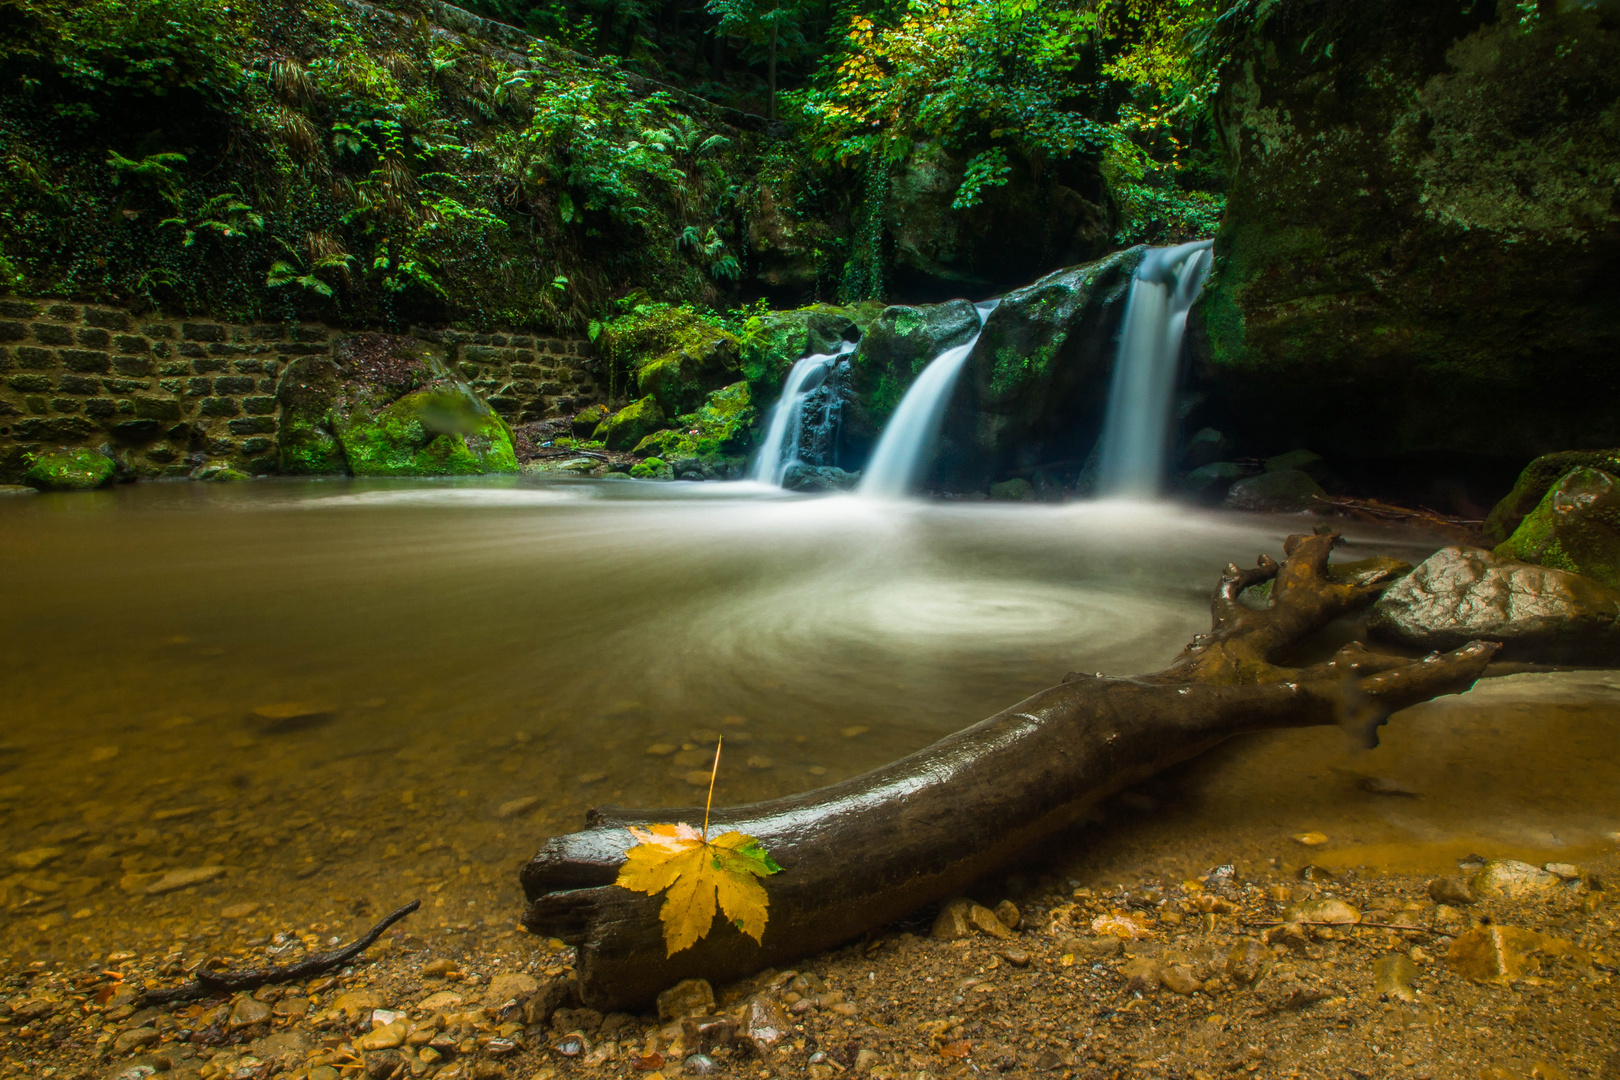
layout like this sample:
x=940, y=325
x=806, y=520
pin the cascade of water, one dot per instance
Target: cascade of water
x=1136, y=431
x=908, y=439
x=785, y=423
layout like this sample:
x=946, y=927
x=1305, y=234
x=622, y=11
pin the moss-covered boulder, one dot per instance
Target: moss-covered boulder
x=1281, y=491
x=69, y=469
x=631, y=424
x=1535, y=481
x=386, y=405
x=773, y=341
x=895, y=349
x=1417, y=256
x=672, y=353
x=652, y=469
x=1576, y=527
x=441, y=431
x=717, y=433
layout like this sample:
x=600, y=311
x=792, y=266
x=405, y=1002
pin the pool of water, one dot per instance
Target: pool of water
x=350, y=693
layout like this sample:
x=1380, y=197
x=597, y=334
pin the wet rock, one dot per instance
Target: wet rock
x=1465, y=594
x=283, y=1048
x=1512, y=880
x=1210, y=483
x=1311, y=839
x=1575, y=527
x=238, y=911
x=514, y=807
x=689, y=997
x=1247, y=963
x=1288, y=491
x=381, y=1064
x=283, y=716
x=557, y=994
x=438, y=968
x=1502, y=953
x=1564, y=871
x=819, y=478
x=1535, y=481
x=1451, y=890
x=1093, y=948
x=386, y=1037
x=951, y=924
x=181, y=879
x=627, y=427
x=1393, y=976
x=1010, y=916
x=132, y=1040
x=508, y=987
x=585, y=1021
x=69, y=469
x=34, y=858
x=1178, y=979
x=16, y=489
x=763, y=1025
x=1308, y=462
x=1015, y=490
x=1016, y=957
x=246, y=1011
x=1205, y=447
x=1142, y=975
x=354, y=1004
x=985, y=922
x=1290, y=934
x=1325, y=909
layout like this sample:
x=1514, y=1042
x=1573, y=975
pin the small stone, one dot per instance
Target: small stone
x=865, y=1059
x=501, y=1047
x=700, y=1065
x=760, y=761
x=514, y=807
x=1326, y=909
x=135, y=1039
x=1393, y=976
x=246, y=1011
x=984, y=920
x=1178, y=979
x=1311, y=839
x=1008, y=913
x=689, y=997
x=293, y=1007
x=1247, y=963
x=180, y=879
x=763, y=1024
x=952, y=922
x=103, y=753
x=1016, y=957
x=1450, y=890
x=440, y=1002
x=354, y=1004
x=662, y=749
x=854, y=730
x=698, y=777
x=381, y=1018
x=1563, y=870
x=1124, y=927
x=569, y=1046
x=238, y=911
x=1141, y=975
x=1510, y=879
x=380, y=1064
x=518, y=987
x=1500, y=954
x=34, y=858
x=439, y=968
x=1289, y=934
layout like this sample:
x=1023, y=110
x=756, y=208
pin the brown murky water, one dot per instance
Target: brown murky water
x=348, y=694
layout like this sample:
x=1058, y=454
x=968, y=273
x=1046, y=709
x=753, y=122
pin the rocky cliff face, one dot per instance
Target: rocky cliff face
x=1421, y=253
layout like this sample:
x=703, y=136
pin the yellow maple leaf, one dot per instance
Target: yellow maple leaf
x=699, y=875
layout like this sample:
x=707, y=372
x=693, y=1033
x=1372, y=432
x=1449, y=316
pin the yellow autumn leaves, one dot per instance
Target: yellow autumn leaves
x=697, y=876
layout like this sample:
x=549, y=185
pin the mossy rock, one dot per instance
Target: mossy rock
x=441, y=431
x=75, y=468
x=307, y=391
x=717, y=432
x=1015, y=490
x=672, y=353
x=774, y=341
x=631, y=424
x=585, y=421
x=1535, y=481
x=651, y=469
x=1210, y=483
x=1575, y=527
x=1284, y=491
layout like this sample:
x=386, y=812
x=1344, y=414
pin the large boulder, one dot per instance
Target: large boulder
x=674, y=354
x=386, y=405
x=1533, y=483
x=631, y=424
x=1281, y=491
x=1468, y=594
x=773, y=341
x=1038, y=220
x=1035, y=388
x=714, y=435
x=76, y=468
x=1419, y=251
x=1576, y=527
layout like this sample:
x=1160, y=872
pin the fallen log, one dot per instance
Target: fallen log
x=871, y=849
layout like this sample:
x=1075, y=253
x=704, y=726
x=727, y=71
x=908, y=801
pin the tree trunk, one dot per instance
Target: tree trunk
x=864, y=852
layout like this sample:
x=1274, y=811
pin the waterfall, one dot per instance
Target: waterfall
x=1136, y=432
x=908, y=439
x=785, y=424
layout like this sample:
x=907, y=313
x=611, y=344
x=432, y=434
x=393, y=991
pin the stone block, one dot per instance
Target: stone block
x=132, y=365
x=18, y=309
x=297, y=349
x=505, y=406
x=258, y=444
x=191, y=348
x=131, y=343
x=64, y=405
x=29, y=382
x=150, y=408
x=202, y=331
x=162, y=454
x=173, y=386
x=106, y=319
x=249, y=367
x=481, y=354
x=208, y=365
x=51, y=334
x=136, y=431
x=222, y=349
x=233, y=384
x=497, y=339
x=219, y=446
x=174, y=367
x=219, y=406
x=101, y=407
x=36, y=404
x=84, y=360
x=13, y=331
x=267, y=386
x=253, y=425
x=268, y=333
x=63, y=312
x=93, y=337
x=259, y=406
x=523, y=343
x=309, y=333
x=28, y=356
x=199, y=387
x=78, y=384
x=5, y=360
x=62, y=429
x=158, y=330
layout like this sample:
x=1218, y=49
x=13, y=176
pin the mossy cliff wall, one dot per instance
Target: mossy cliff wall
x=168, y=397
x=1421, y=254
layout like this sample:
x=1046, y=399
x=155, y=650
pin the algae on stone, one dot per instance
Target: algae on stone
x=442, y=431
x=1534, y=482
x=717, y=431
x=627, y=427
x=675, y=354
x=69, y=469
x=1576, y=527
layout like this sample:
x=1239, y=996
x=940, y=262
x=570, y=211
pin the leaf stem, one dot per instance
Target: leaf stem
x=713, y=772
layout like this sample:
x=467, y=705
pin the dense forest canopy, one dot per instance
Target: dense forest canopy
x=272, y=157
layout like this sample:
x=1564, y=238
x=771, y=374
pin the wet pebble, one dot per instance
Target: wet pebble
x=1512, y=880
x=514, y=807
x=181, y=879
x=1393, y=976
x=246, y=1011
x=1451, y=890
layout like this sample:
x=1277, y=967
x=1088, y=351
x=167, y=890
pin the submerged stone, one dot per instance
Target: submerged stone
x=819, y=478
x=69, y=469
x=1461, y=594
x=1285, y=491
x=1575, y=527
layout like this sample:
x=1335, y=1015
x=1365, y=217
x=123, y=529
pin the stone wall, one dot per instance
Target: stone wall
x=168, y=396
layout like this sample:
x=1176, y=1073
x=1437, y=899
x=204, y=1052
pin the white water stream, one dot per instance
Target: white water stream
x=907, y=443
x=780, y=449
x=1136, y=432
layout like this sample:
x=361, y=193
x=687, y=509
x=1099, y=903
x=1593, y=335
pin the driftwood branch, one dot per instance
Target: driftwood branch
x=866, y=851
x=208, y=984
